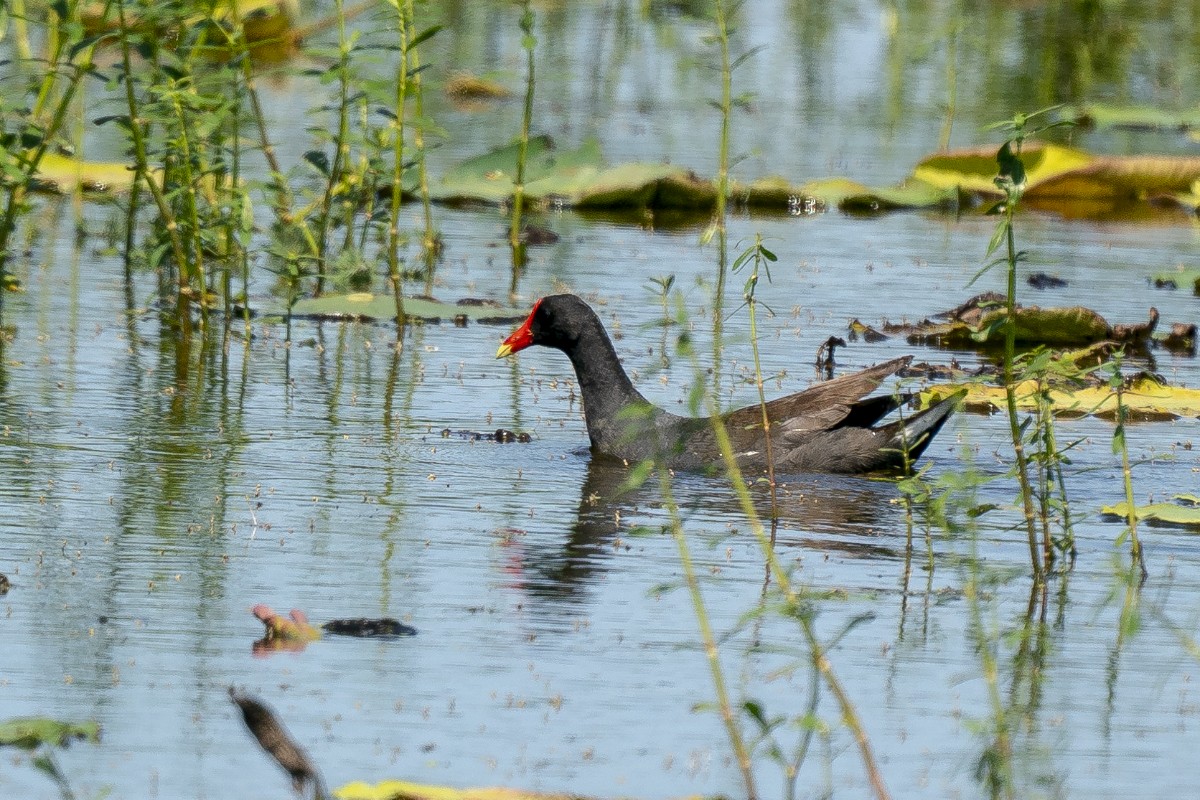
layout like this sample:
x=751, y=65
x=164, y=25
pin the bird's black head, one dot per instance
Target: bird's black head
x=555, y=321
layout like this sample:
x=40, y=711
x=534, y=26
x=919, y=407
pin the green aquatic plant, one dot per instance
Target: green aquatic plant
x=795, y=603
x=431, y=242
x=1011, y=181
x=529, y=45
x=1120, y=445
x=32, y=120
x=334, y=171
x=758, y=259
x=41, y=736
x=406, y=77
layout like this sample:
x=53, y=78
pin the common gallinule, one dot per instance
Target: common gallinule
x=825, y=428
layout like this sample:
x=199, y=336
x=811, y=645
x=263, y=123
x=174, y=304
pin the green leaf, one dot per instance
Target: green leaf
x=424, y=35
x=29, y=733
x=1011, y=166
x=755, y=712
x=1184, y=513
x=638, y=475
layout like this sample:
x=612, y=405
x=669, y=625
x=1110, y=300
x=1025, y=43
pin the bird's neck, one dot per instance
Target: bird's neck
x=605, y=388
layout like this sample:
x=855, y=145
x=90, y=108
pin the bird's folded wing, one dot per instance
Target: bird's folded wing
x=819, y=407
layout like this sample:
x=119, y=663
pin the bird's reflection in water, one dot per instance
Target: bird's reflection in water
x=853, y=516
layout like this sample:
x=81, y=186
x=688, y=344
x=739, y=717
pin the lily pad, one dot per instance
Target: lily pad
x=29, y=733
x=264, y=21
x=61, y=174
x=1103, y=115
x=974, y=169
x=855, y=197
x=646, y=186
x=1145, y=399
x=1059, y=327
x=403, y=790
x=489, y=178
x=463, y=85
x=1122, y=178
x=367, y=306
x=1184, y=513
x=1177, y=279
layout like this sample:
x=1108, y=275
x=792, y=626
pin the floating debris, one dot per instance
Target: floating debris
x=1040, y=280
x=868, y=334
x=501, y=435
x=368, y=627
x=265, y=727
x=975, y=325
x=463, y=85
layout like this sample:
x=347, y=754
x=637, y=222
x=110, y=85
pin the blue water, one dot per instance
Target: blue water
x=144, y=513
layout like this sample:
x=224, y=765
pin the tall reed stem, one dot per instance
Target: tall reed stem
x=1011, y=180
x=726, y=106
x=29, y=162
x=798, y=604
x=429, y=240
x=529, y=43
x=1121, y=445
x=758, y=255
x=341, y=148
x=395, y=275
x=143, y=173
x=740, y=751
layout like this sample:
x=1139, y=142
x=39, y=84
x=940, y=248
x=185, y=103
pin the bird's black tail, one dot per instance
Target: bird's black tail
x=913, y=434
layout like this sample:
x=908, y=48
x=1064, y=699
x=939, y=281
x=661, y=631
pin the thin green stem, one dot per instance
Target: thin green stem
x=429, y=240
x=341, y=149
x=795, y=601
x=1122, y=443
x=529, y=43
x=143, y=173
x=1010, y=393
x=397, y=194
x=998, y=761
x=726, y=105
x=711, y=653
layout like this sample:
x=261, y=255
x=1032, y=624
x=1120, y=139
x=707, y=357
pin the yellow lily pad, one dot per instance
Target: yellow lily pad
x=64, y=174
x=855, y=197
x=974, y=169
x=1145, y=399
x=403, y=790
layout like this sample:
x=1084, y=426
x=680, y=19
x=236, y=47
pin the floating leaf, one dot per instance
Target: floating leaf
x=1177, y=279
x=851, y=196
x=1102, y=115
x=64, y=174
x=974, y=170
x=29, y=733
x=468, y=86
x=403, y=790
x=367, y=306
x=646, y=186
x=1035, y=325
x=1145, y=399
x=1122, y=178
x=1185, y=512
